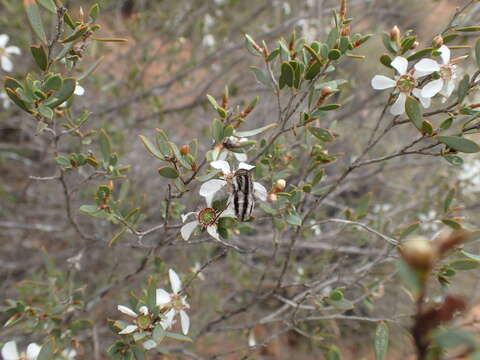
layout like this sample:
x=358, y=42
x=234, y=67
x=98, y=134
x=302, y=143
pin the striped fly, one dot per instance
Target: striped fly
x=243, y=200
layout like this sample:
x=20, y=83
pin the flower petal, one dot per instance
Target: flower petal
x=399, y=107
x=129, y=329
x=144, y=310
x=7, y=65
x=9, y=350
x=149, y=344
x=245, y=166
x=228, y=212
x=32, y=351
x=3, y=43
x=185, y=321
x=425, y=101
x=13, y=50
x=187, y=215
x=427, y=66
x=445, y=54
x=241, y=157
x=162, y=297
x=259, y=191
x=175, y=281
x=210, y=188
x=432, y=88
x=79, y=90
x=213, y=231
x=221, y=165
x=188, y=229
x=168, y=321
x=380, y=82
x=126, y=310
x=448, y=88
x=400, y=64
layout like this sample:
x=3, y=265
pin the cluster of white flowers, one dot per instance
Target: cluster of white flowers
x=10, y=352
x=6, y=52
x=208, y=217
x=407, y=81
x=170, y=305
x=429, y=221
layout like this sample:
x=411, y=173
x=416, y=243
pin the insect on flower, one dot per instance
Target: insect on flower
x=242, y=196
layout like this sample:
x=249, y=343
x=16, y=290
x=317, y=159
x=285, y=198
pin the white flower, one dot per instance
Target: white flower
x=68, y=354
x=211, y=187
x=5, y=100
x=10, y=351
x=208, y=41
x=127, y=311
x=428, y=221
x=79, y=90
x=5, y=52
x=405, y=83
x=174, y=300
x=149, y=344
x=206, y=218
x=447, y=71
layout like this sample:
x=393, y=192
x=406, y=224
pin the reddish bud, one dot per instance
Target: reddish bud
x=184, y=149
x=437, y=41
x=395, y=34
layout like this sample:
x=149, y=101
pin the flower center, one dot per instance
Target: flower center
x=207, y=217
x=446, y=72
x=406, y=83
x=143, y=322
x=178, y=302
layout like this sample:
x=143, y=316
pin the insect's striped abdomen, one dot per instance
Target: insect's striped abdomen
x=243, y=200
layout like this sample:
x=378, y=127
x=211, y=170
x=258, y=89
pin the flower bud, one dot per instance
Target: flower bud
x=395, y=34
x=326, y=91
x=415, y=45
x=184, y=149
x=345, y=30
x=419, y=253
x=280, y=184
x=437, y=41
x=272, y=198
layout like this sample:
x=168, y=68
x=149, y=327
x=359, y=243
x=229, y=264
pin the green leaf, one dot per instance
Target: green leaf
x=254, y=132
x=342, y=304
x=454, y=160
x=334, y=54
x=138, y=352
x=459, y=144
x=363, y=205
x=168, y=172
x=81, y=30
x=467, y=29
x=312, y=70
x=386, y=60
x=261, y=77
x=477, y=52
x=62, y=95
x=420, y=54
x=381, y=341
x=470, y=255
x=329, y=107
x=178, y=337
x=33, y=15
x=46, y=352
x=217, y=131
x=18, y=101
x=45, y=111
x=414, y=112
x=463, y=88
x=48, y=5
x=334, y=353
x=409, y=277
x=448, y=199
x=389, y=45
x=40, y=56
x=94, y=11
x=452, y=338
x=105, y=145
x=314, y=54
x=158, y=333
x=151, y=148
x=287, y=74
x=294, y=219
x=445, y=124
x=465, y=264
x=250, y=47
x=321, y=134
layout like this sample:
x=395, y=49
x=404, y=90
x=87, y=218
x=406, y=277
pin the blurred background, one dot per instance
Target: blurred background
x=177, y=52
